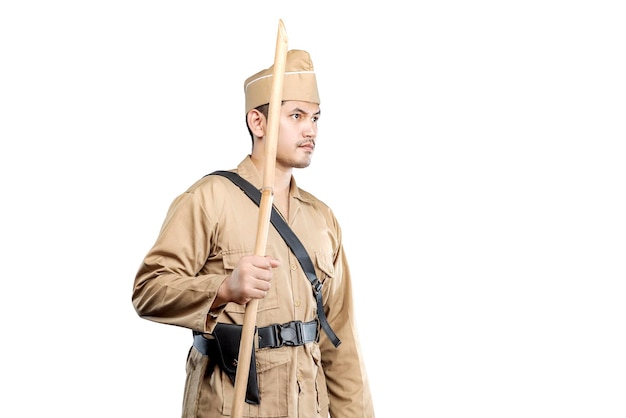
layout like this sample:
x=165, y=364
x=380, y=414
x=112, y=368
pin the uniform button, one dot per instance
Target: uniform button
x=293, y=267
x=298, y=304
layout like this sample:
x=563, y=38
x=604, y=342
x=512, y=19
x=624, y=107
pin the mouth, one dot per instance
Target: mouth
x=309, y=146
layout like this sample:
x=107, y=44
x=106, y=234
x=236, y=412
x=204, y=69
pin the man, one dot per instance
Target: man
x=202, y=271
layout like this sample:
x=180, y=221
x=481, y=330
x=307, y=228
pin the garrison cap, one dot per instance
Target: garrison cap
x=299, y=82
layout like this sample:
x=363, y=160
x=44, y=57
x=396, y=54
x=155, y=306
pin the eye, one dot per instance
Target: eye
x=296, y=116
x=315, y=118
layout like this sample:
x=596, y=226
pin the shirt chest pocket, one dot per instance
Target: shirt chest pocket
x=230, y=259
x=324, y=268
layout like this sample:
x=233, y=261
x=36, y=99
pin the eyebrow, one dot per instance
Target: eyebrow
x=299, y=110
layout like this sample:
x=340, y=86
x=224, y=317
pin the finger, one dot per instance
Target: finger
x=264, y=263
x=273, y=262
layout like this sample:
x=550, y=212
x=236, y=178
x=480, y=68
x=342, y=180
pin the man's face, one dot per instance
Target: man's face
x=297, y=134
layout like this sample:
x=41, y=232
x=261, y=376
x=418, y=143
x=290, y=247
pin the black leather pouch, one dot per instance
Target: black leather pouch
x=226, y=352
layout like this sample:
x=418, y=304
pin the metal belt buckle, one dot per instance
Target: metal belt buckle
x=290, y=333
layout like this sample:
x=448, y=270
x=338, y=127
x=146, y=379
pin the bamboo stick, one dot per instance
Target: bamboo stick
x=265, y=210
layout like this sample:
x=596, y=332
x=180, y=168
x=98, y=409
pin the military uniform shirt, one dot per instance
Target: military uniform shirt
x=206, y=231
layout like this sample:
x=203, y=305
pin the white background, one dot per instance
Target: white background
x=472, y=151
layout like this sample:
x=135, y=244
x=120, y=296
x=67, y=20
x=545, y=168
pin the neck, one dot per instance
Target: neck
x=282, y=175
x=282, y=179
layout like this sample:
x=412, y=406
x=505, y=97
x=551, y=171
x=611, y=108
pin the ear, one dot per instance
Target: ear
x=256, y=123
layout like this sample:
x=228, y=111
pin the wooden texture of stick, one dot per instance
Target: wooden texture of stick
x=265, y=209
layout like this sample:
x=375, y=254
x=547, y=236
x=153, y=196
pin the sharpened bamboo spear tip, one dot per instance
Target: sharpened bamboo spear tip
x=282, y=31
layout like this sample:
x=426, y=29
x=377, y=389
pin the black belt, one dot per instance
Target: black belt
x=273, y=336
x=291, y=333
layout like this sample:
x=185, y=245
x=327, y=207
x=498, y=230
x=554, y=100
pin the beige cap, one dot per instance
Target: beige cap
x=299, y=82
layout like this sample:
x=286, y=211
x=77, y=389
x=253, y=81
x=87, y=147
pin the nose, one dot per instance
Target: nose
x=310, y=130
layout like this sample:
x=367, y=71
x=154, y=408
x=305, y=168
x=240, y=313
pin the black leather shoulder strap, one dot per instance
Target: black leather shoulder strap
x=293, y=242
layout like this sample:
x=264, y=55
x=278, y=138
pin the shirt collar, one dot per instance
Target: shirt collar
x=248, y=171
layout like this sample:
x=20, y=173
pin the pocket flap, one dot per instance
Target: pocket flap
x=324, y=262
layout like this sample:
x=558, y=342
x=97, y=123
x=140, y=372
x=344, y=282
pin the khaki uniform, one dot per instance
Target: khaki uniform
x=207, y=229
